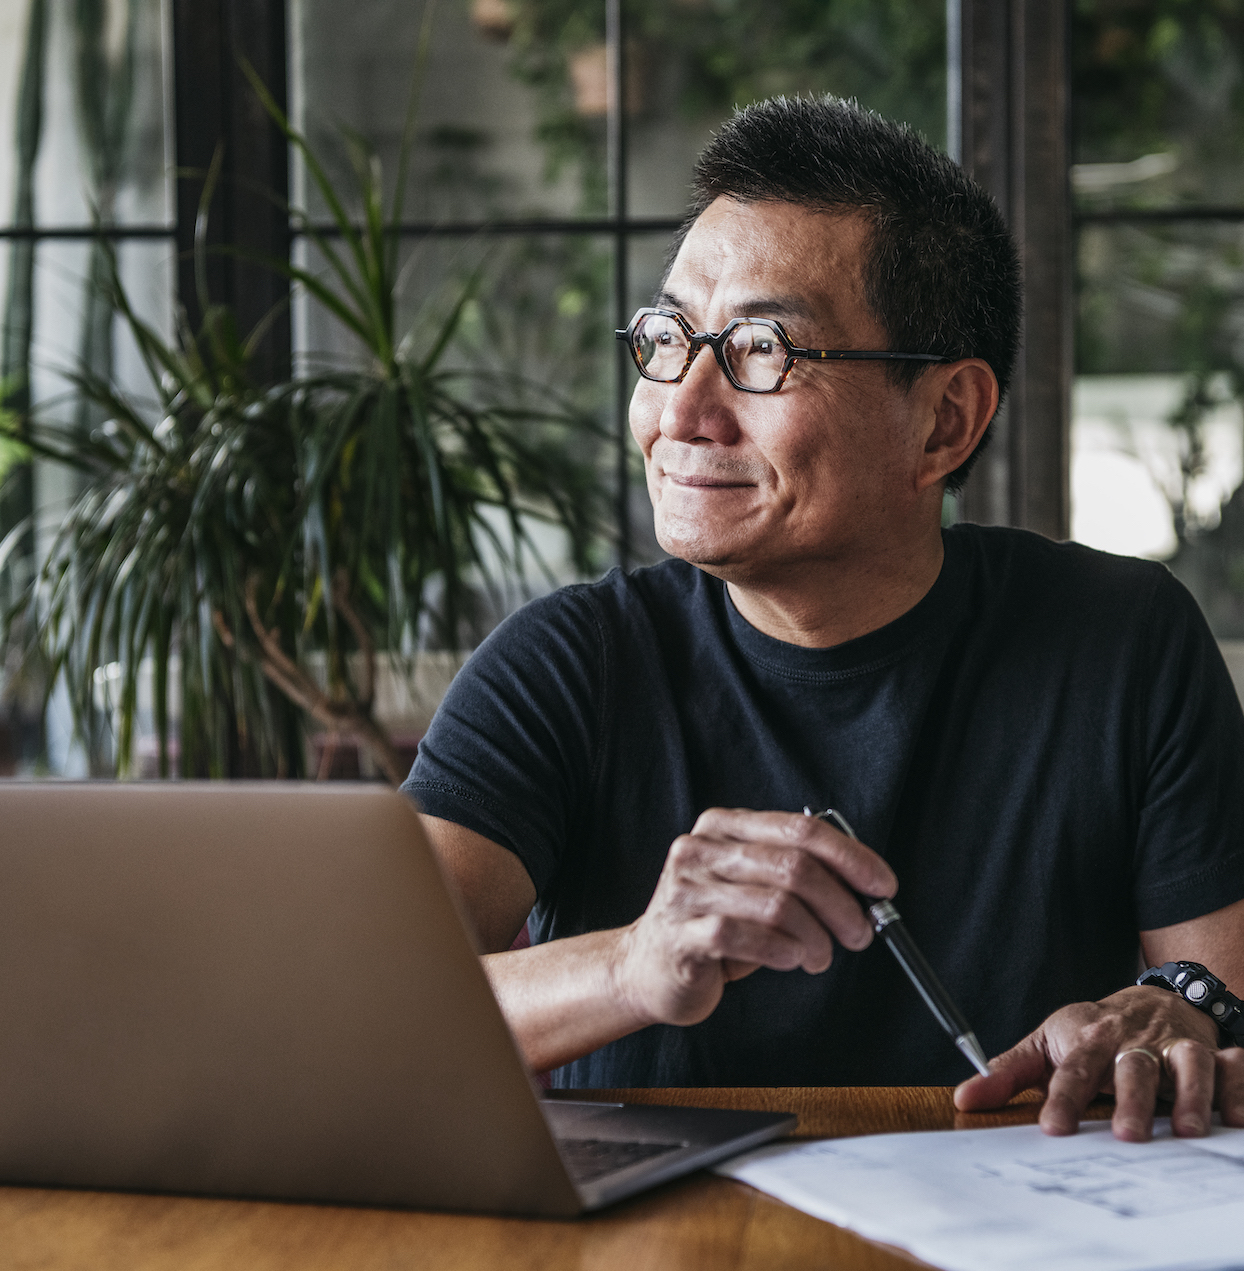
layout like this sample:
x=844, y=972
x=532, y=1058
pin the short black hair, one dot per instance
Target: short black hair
x=941, y=273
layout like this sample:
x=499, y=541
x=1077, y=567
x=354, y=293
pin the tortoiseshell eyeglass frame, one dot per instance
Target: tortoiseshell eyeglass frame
x=696, y=340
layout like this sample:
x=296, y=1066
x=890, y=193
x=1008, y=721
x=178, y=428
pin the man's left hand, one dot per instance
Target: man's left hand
x=1139, y=1044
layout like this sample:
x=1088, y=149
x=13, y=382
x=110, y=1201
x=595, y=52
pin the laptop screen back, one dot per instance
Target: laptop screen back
x=251, y=989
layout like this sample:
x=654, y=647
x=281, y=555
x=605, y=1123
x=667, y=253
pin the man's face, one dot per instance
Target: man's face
x=746, y=484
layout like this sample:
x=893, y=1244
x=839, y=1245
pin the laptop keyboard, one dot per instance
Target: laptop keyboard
x=588, y=1159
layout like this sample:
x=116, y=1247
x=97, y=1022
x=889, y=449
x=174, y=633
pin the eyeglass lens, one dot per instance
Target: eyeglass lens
x=753, y=352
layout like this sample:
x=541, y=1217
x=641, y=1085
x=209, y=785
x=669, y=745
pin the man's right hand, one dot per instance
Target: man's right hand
x=743, y=890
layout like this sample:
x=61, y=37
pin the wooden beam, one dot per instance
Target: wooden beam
x=216, y=106
x=1012, y=63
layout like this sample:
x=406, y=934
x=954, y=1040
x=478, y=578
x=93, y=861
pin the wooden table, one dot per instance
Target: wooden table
x=699, y=1222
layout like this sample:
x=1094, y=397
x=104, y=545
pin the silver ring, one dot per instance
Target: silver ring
x=1138, y=1050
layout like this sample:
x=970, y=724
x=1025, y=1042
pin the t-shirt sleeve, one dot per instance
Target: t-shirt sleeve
x=1190, y=845
x=511, y=750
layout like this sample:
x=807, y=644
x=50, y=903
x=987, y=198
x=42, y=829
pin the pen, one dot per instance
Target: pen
x=888, y=924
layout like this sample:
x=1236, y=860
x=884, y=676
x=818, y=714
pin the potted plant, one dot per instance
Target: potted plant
x=259, y=547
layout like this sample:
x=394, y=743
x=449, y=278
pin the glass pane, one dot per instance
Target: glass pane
x=1158, y=91
x=1159, y=297
x=72, y=326
x=499, y=132
x=536, y=333
x=646, y=257
x=100, y=147
x=1158, y=431
x=693, y=61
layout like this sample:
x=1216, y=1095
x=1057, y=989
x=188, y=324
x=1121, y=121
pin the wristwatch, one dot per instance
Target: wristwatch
x=1199, y=987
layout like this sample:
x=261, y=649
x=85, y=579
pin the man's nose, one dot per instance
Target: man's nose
x=702, y=407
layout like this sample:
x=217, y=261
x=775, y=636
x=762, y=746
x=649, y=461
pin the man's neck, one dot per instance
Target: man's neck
x=830, y=602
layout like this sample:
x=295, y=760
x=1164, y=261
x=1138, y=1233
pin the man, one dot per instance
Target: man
x=1039, y=743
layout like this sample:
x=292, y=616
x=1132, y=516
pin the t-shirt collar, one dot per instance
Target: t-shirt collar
x=939, y=605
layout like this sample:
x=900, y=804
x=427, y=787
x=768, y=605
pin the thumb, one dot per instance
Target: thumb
x=1023, y=1066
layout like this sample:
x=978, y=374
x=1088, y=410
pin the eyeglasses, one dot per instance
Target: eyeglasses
x=755, y=353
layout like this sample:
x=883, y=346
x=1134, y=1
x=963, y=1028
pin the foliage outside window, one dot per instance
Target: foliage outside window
x=1158, y=102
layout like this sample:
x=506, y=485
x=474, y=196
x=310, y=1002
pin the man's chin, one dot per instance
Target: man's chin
x=703, y=555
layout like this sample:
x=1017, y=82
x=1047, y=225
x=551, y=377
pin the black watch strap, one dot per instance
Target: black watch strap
x=1201, y=988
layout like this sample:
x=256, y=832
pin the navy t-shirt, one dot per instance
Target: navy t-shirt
x=1047, y=749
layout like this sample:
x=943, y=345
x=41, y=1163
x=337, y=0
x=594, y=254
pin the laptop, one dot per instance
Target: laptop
x=267, y=990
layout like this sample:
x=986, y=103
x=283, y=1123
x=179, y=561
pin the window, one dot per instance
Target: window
x=86, y=164
x=1158, y=182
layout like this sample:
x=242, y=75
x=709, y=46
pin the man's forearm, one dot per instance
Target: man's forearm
x=565, y=998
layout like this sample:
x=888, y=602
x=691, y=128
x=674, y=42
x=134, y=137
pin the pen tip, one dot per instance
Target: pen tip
x=972, y=1051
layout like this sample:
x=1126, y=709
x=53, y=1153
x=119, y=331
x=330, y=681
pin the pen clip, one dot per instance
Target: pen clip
x=832, y=814
x=881, y=912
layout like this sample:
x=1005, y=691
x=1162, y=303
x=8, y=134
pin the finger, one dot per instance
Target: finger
x=1073, y=1084
x=735, y=941
x=859, y=866
x=1229, y=1082
x=800, y=873
x=805, y=942
x=1137, y=1075
x=1192, y=1068
x=1023, y=1066
x=736, y=970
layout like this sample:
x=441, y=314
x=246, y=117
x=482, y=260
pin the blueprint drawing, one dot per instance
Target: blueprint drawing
x=977, y=1200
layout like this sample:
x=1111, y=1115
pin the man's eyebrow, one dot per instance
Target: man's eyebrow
x=760, y=307
x=777, y=307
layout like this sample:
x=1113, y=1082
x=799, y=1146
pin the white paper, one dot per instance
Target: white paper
x=980, y=1200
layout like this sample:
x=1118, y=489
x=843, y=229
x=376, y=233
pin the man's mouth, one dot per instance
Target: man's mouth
x=703, y=481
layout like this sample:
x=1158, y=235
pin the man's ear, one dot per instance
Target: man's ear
x=961, y=400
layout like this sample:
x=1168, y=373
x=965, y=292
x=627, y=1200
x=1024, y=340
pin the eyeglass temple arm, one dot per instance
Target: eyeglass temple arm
x=864, y=355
